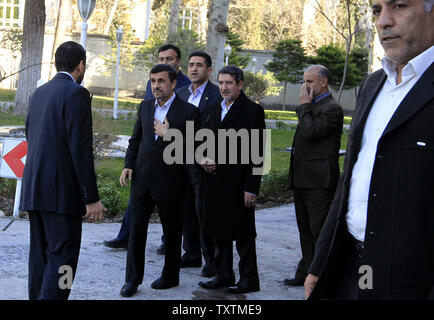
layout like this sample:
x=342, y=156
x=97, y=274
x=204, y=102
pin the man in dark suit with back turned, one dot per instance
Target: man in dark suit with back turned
x=203, y=94
x=154, y=181
x=378, y=238
x=230, y=189
x=59, y=181
x=314, y=167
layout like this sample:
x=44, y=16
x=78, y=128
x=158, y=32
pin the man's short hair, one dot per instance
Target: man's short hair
x=170, y=46
x=68, y=56
x=324, y=73
x=165, y=67
x=234, y=71
x=321, y=71
x=202, y=54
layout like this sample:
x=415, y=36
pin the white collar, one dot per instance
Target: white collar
x=418, y=64
x=198, y=90
x=168, y=102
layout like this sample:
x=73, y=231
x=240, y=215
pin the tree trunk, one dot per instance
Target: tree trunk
x=31, y=53
x=284, y=96
x=63, y=26
x=216, y=36
x=347, y=54
x=111, y=16
x=202, y=6
x=173, y=19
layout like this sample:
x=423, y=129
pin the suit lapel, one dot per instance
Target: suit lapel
x=204, y=99
x=150, y=119
x=234, y=109
x=417, y=97
x=365, y=102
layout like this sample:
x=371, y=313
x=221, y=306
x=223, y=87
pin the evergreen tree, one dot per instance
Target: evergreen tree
x=333, y=58
x=288, y=64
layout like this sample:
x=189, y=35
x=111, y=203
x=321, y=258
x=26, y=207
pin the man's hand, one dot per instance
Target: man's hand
x=249, y=200
x=95, y=210
x=309, y=284
x=161, y=128
x=123, y=178
x=306, y=95
x=208, y=165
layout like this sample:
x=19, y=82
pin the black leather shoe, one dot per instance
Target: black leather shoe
x=161, y=250
x=161, y=283
x=216, y=283
x=128, y=290
x=294, y=282
x=188, y=263
x=116, y=244
x=207, y=272
x=238, y=288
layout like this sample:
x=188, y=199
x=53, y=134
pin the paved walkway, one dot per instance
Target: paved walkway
x=101, y=270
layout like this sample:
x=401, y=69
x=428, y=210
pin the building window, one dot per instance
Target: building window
x=10, y=13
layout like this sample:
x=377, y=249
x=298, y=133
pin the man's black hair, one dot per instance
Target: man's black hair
x=170, y=46
x=234, y=71
x=68, y=56
x=165, y=67
x=202, y=54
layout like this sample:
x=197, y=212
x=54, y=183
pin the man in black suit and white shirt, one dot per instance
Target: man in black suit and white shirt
x=154, y=181
x=59, y=181
x=378, y=239
x=203, y=94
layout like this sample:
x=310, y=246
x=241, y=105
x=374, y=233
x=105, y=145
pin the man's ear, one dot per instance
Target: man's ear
x=81, y=66
x=324, y=82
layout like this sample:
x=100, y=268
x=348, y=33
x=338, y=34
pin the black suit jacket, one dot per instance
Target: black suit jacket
x=59, y=175
x=145, y=155
x=399, y=238
x=210, y=96
x=315, y=149
x=225, y=215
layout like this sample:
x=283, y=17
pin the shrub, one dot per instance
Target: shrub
x=281, y=125
x=274, y=187
x=110, y=196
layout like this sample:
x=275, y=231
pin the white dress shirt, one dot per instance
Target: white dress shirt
x=161, y=111
x=225, y=109
x=385, y=105
x=195, y=97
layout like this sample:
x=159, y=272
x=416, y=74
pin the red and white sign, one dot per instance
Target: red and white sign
x=13, y=158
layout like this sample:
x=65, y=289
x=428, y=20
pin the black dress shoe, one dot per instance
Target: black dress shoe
x=128, y=290
x=116, y=244
x=294, y=282
x=161, y=250
x=161, y=283
x=188, y=263
x=216, y=283
x=238, y=288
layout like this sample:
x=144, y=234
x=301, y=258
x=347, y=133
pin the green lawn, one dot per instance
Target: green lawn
x=109, y=169
x=8, y=119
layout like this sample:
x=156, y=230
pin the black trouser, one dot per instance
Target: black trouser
x=171, y=220
x=311, y=209
x=194, y=237
x=191, y=230
x=54, y=242
x=348, y=285
x=247, y=265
